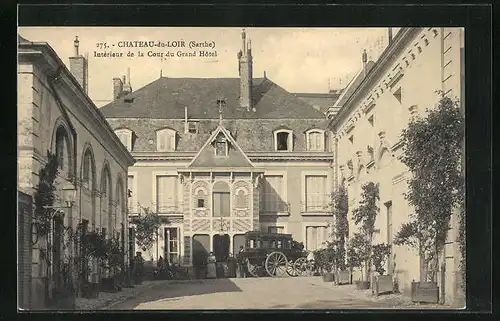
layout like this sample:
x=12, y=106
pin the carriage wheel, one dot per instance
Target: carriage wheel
x=291, y=270
x=301, y=267
x=276, y=264
x=253, y=269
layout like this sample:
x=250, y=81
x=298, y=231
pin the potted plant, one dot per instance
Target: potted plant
x=381, y=283
x=324, y=261
x=357, y=257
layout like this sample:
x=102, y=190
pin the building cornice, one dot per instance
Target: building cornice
x=53, y=65
x=253, y=156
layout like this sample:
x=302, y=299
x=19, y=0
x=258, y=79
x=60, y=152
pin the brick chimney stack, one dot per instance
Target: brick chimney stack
x=245, y=71
x=78, y=66
x=127, y=88
x=117, y=87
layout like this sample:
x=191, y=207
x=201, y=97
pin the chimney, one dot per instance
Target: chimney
x=245, y=70
x=390, y=36
x=78, y=65
x=127, y=88
x=117, y=87
x=365, y=59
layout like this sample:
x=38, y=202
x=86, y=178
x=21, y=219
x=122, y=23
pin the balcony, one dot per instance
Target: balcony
x=317, y=205
x=279, y=208
x=163, y=208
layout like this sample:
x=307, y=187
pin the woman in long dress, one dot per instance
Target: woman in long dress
x=211, y=268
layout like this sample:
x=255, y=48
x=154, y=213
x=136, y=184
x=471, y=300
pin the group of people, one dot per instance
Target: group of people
x=241, y=264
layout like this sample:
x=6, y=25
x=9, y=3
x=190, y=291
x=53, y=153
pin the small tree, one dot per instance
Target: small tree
x=364, y=216
x=379, y=257
x=146, y=228
x=357, y=252
x=432, y=151
x=340, y=202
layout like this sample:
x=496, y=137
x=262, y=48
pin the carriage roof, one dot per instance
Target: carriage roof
x=263, y=235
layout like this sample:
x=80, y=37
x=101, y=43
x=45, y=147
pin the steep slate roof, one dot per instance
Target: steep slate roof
x=206, y=156
x=165, y=98
x=322, y=100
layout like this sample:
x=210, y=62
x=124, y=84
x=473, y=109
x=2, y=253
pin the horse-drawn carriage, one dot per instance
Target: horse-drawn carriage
x=273, y=254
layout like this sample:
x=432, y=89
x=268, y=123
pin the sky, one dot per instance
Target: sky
x=306, y=60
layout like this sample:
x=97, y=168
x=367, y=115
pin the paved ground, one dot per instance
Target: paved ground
x=261, y=293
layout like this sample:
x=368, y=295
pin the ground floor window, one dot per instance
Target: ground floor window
x=316, y=236
x=172, y=244
x=275, y=229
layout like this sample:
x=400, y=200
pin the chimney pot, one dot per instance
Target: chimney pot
x=78, y=66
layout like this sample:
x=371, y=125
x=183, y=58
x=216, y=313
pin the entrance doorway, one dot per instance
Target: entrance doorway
x=221, y=247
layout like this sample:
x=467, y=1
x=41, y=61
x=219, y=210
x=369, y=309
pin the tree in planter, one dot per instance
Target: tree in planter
x=358, y=253
x=432, y=151
x=365, y=216
x=380, y=252
x=340, y=207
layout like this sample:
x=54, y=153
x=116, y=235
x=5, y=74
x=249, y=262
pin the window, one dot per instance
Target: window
x=315, y=140
x=276, y=229
x=272, y=199
x=192, y=127
x=165, y=140
x=166, y=194
x=221, y=147
x=125, y=136
x=315, y=237
x=201, y=199
x=221, y=204
x=172, y=244
x=88, y=173
x=132, y=208
x=316, y=193
x=62, y=149
x=283, y=140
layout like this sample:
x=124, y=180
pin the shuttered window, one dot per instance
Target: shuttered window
x=315, y=237
x=166, y=194
x=221, y=204
x=316, y=193
x=165, y=140
x=316, y=141
x=273, y=194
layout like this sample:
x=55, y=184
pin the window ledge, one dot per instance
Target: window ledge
x=274, y=213
x=317, y=213
x=370, y=163
x=241, y=208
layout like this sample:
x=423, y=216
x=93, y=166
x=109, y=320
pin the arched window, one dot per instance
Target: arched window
x=106, y=210
x=125, y=136
x=88, y=170
x=62, y=149
x=283, y=140
x=201, y=199
x=165, y=140
x=315, y=140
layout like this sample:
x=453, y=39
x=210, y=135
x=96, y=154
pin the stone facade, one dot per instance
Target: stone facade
x=56, y=115
x=401, y=85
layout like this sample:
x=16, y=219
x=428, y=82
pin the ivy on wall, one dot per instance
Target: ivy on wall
x=146, y=228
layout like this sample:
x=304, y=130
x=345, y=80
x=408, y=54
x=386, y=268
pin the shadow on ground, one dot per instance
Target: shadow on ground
x=175, y=290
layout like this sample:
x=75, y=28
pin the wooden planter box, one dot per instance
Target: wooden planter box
x=362, y=285
x=424, y=292
x=328, y=277
x=343, y=277
x=382, y=284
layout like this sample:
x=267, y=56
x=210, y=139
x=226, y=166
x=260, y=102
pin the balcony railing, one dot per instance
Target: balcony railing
x=274, y=208
x=318, y=204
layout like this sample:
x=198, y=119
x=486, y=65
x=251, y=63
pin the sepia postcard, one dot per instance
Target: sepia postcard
x=206, y=168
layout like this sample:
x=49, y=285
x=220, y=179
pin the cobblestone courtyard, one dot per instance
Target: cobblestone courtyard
x=261, y=293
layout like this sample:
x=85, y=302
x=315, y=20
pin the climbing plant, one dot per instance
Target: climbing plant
x=432, y=151
x=44, y=195
x=147, y=225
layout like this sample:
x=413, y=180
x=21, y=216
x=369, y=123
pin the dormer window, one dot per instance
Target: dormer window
x=221, y=147
x=283, y=140
x=315, y=140
x=125, y=136
x=165, y=140
x=192, y=128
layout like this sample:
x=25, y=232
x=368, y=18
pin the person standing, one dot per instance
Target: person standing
x=241, y=263
x=211, y=266
x=138, y=267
